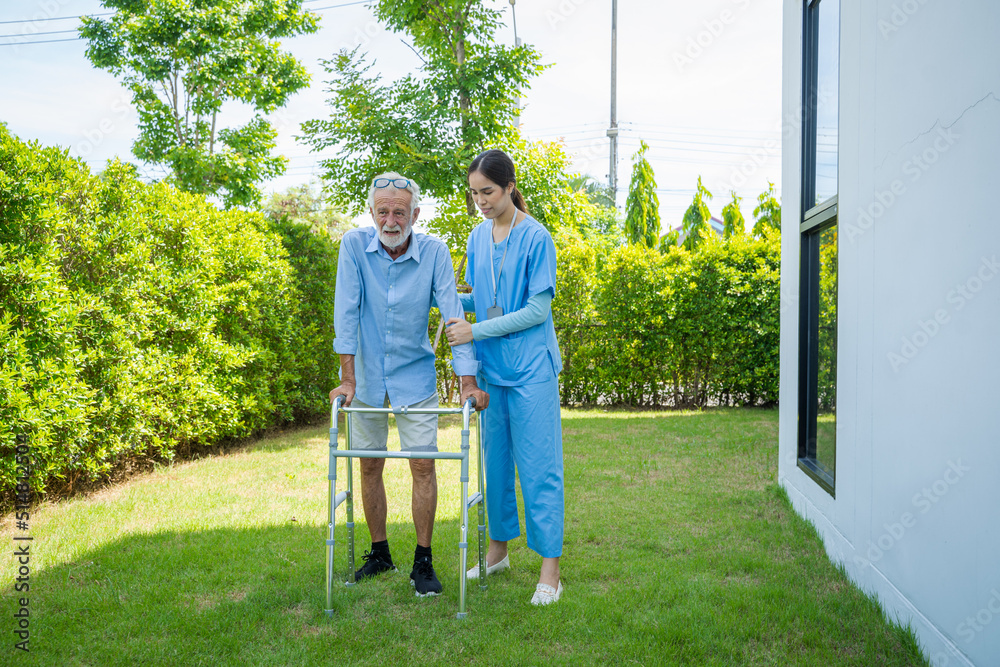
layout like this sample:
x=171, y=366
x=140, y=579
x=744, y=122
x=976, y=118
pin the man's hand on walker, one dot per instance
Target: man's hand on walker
x=346, y=389
x=471, y=390
x=458, y=330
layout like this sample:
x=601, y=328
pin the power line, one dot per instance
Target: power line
x=36, y=34
x=77, y=39
x=346, y=4
x=56, y=18
x=66, y=18
x=44, y=41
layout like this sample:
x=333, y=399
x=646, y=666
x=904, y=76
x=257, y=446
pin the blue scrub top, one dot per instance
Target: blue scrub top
x=530, y=355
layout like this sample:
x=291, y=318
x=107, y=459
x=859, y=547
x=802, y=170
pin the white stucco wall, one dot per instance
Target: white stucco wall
x=916, y=519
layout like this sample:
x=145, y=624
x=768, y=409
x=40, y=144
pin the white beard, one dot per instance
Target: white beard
x=392, y=243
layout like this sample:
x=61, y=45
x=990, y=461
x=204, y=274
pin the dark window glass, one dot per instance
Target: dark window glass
x=826, y=352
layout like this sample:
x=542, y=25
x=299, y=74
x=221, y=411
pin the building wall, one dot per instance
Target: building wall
x=916, y=518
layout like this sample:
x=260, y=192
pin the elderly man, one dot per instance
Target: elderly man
x=387, y=278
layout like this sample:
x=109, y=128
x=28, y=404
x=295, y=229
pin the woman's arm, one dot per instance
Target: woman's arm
x=534, y=312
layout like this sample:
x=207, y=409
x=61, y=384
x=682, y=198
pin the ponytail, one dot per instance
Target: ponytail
x=518, y=200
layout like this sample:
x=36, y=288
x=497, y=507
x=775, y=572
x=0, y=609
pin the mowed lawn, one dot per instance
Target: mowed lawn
x=680, y=550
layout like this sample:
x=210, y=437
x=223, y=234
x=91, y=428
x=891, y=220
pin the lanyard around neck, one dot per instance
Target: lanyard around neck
x=494, y=276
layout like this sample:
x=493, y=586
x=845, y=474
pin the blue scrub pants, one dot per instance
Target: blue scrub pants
x=523, y=427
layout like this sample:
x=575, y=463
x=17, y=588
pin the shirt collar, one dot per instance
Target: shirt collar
x=413, y=251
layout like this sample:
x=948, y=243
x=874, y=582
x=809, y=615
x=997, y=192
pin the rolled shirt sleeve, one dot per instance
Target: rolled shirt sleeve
x=347, y=300
x=463, y=357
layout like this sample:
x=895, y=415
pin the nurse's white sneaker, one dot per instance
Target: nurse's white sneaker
x=545, y=594
x=473, y=572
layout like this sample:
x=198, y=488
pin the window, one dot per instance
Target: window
x=817, y=437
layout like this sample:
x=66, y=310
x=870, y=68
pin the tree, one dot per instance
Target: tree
x=183, y=60
x=597, y=192
x=431, y=126
x=696, y=217
x=551, y=192
x=642, y=208
x=732, y=218
x=668, y=241
x=767, y=215
x=303, y=204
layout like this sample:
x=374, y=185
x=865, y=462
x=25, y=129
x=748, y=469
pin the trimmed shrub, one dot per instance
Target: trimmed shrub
x=681, y=329
x=141, y=322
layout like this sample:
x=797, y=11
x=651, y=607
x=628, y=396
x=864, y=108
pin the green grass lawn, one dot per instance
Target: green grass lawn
x=680, y=549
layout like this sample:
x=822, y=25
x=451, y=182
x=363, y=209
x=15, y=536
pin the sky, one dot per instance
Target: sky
x=700, y=82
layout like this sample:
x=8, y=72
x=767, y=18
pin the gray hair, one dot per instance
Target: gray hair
x=412, y=188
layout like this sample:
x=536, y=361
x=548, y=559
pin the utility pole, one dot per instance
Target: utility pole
x=613, y=130
x=517, y=43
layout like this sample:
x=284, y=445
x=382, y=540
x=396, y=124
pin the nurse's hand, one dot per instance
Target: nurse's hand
x=459, y=331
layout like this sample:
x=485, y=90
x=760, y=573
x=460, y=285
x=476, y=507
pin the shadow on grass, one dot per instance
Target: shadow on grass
x=231, y=596
x=679, y=550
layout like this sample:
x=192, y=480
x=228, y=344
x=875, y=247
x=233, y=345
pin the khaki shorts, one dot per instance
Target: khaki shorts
x=417, y=433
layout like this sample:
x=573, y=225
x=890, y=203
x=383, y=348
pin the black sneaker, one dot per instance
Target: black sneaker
x=423, y=578
x=375, y=563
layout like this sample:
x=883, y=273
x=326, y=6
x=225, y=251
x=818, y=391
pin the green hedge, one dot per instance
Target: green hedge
x=682, y=329
x=139, y=322
x=643, y=329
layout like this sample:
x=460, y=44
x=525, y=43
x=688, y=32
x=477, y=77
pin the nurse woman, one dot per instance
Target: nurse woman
x=512, y=271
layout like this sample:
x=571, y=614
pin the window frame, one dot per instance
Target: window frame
x=816, y=218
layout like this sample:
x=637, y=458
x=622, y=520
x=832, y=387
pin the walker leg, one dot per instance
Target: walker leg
x=331, y=511
x=463, y=544
x=350, y=509
x=482, y=501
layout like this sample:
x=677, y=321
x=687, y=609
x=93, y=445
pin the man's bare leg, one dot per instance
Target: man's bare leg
x=424, y=501
x=373, y=497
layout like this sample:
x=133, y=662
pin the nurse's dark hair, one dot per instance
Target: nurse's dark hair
x=497, y=166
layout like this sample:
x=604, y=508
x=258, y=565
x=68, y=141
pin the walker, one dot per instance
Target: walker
x=336, y=499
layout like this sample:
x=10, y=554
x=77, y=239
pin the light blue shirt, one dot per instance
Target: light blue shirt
x=381, y=312
x=530, y=355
